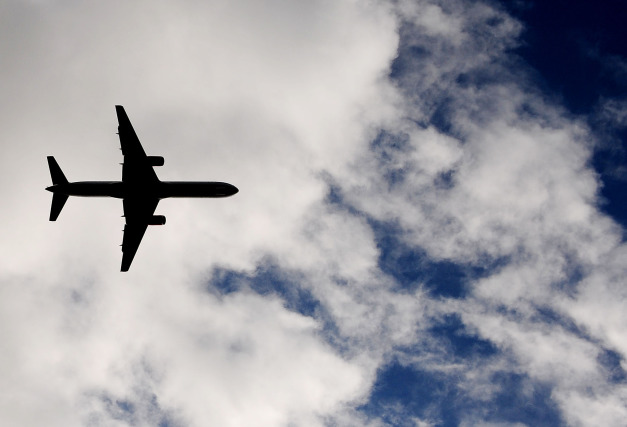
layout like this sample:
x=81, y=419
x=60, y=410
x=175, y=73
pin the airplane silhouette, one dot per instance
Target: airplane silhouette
x=140, y=189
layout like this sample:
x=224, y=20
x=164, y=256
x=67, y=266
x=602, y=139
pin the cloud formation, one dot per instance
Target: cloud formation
x=362, y=135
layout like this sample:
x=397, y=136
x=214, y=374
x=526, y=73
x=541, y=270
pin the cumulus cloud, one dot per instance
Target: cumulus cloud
x=338, y=121
x=224, y=95
x=510, y=187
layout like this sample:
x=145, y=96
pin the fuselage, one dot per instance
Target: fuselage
x=160, y=190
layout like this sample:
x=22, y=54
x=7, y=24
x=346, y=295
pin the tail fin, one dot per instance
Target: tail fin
x=55, y=172
x=58, y=199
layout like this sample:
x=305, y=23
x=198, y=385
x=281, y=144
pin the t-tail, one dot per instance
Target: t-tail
x=58, y=199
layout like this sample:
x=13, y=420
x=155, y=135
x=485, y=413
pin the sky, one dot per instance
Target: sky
x=430, y=228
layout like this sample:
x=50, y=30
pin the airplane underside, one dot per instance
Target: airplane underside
x=140, y=189
x=160, y=190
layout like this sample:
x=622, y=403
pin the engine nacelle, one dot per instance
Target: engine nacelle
x=156, y=220
x=156, y=160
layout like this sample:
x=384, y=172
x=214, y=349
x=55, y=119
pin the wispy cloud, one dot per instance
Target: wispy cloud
x=417, y=240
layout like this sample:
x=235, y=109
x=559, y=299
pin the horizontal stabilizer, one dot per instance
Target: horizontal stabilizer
x=58, y=201
x=55, y=172
x=127, y=259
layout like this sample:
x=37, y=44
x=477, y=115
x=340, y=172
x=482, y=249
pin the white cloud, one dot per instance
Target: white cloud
x=237, y=361
x=224, y=95
x=280, y=100
x=520, y=193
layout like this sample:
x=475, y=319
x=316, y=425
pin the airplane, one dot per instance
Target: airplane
x=140, y=189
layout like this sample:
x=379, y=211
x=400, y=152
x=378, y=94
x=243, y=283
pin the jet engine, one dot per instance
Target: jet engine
x=156, y=160
x=156, y=220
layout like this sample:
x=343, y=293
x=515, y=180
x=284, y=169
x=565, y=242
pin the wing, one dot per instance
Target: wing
x=136, y=168
x=137, y=212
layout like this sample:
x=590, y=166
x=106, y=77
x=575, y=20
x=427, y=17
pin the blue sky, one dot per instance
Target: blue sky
x=581, y=64
x=572, y=54
x=429, y=229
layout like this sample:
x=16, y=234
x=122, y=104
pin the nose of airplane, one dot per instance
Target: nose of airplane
x=233, y=189
x=50, y=188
